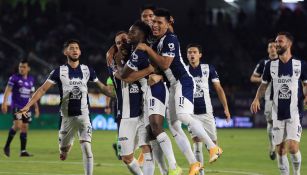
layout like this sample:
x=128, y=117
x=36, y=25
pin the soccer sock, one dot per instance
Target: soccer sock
x=23, y=141
x=182, y=141
x=158, y=156
x=196, y=129
x=198, y=152
x=88, y=160
x=10, y=137
x=134, y=167
x=283, y=164
x=270, y=134
x=166, y=146
x=149, y=164
x=296, y=160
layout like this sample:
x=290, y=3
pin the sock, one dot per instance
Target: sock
x=134, y=167
x=198, y=152
x=88, y=160
x=10, y=137
x=23, y=141
x=270, y=135
x=197, y=129
x=283, y=164
x=166, y=146
x=296, y=160
x=158, y=156
x=182, y=141
x=149, y=164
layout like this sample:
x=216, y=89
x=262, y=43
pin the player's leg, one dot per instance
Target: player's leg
x=85, y=137
x=12, y=132
x=281, y=150
x=68, y=128
x=268, y=115
x=23, y=136
x=126, y=140
x=294, y=130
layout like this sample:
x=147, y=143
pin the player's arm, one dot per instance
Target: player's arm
x=104, y=89
x=255, y=78
x=162, y=61
x=7, y=92
x=36, y=96
x=305, y=94
x=222, y=97
x=129, y=75
x=36, y=109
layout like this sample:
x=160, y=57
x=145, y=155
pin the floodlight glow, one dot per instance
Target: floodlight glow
x=229, y=1
x=291, y=1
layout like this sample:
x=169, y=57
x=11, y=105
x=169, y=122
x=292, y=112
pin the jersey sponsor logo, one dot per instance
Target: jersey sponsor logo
x=72, y=82
x=171, y=46
x=134, y=89
x=122, y=138
x=134, y=57
x=284, y=80
x=297, y=72
x=284, y=92
x=75, y=93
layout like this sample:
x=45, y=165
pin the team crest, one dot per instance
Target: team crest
x=297, y=72
x=171, y=46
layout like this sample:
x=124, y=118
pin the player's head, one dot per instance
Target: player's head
x=284, y=41
x=272, y=48
x=194, y=53
x=71, y=49
x=139, y=32
x=23, y=67
x=147, y=14
x=161, y=22
x=121, y=42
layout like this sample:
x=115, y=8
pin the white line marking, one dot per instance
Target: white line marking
x=17, y=173
x=111, y=165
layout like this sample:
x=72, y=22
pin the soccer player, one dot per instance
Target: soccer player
x=72, y=79
x=287, y=74
x=256, y=78
x=21, y=86
x=204, y=75
x=156, y=97
x=167, y=55
x=147, y=14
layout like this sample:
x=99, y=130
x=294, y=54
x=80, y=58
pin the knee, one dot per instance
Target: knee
x=293, y=146
x=281, y=149
x=146, y=149
x=127, y=159
x=156, y=129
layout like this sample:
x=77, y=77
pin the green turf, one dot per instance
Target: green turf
x=245, y=152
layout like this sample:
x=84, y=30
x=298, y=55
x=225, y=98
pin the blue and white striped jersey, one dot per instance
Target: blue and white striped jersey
x=169, y=46
x=203, y=74
x=287, y=81
x=72, y=84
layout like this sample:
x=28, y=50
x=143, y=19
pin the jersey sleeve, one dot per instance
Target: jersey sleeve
x=266, y=77
x=259, y=68
x=109, y=81
x=11, y=81
x=213, y=76
x=93, y=76
x=138, y=60
x=54, y=76
x=304, y=72
x=170, y=46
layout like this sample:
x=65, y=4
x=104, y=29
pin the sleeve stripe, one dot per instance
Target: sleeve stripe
x=264, y=82
x=215, y=80
x=49, y=80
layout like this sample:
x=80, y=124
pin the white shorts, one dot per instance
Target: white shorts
x=156, y=101
x=268, y=110
x=132, y=134
x=180, y=100
x=71, y=125
x=208, y=123
x=289, y=129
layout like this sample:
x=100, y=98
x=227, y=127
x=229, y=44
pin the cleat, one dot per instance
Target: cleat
x=6, y=151
x=195, y=168
x=25, y=154
x=272, y=155
x=215, y=153
x=115, y=147
x=63, y=156
x=141, y=159
x=177, y=171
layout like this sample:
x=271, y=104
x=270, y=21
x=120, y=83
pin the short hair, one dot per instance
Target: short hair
x=148, y=6
x=145, y=28
x=161, y=12
x=119, y=33
x=198, y=46
x=287, y=34
x=70, y=41
x=271, y=40
x=24, y=61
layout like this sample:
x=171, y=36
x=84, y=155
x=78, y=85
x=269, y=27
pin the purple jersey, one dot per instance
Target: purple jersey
x=22, y=88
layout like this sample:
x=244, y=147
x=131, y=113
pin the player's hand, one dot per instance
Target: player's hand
x=153, y=79
x=110, y=54
x=4, y=108
x=255, y=106
x=37, y=113
x=305, y=103
x=142, y=46
x=227, y=114
x=23, y=111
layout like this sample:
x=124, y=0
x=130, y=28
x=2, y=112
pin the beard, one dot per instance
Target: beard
x=281, y=50
x=73, y=59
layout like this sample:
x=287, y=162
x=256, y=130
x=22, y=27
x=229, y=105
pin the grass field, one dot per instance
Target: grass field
x=245, y=153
